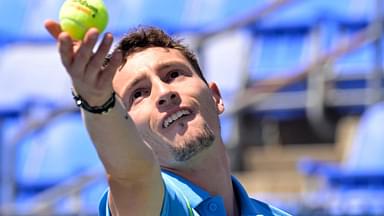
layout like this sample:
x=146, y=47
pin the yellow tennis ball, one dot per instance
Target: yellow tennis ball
x=77, y=16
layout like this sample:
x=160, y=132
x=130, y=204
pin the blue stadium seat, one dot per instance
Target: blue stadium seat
x=297, y=13
x=276, y=54
x=56, y=152
x=232, y=9
x=363, y=167
x=368, y=145
x=87, y=199
x=280, y=53
x=360, y=62
x=349, y=11
x=356, y=185
x=309, y=13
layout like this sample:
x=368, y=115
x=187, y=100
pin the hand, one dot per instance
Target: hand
x=89, y=78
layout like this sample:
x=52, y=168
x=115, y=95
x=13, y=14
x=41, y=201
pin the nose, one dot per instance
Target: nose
x=167, y=97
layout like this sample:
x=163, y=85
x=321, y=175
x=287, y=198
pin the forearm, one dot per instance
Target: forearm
x=118, y=143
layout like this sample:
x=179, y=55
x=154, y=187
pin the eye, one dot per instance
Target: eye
x=174, y=74
x=139, y=93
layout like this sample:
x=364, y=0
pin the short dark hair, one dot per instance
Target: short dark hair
x=144, y=37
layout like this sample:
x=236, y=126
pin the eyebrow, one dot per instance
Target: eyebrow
x=170, y=64
x=160, y=67
x=134, y=82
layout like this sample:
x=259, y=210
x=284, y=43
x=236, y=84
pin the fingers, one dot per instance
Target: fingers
x=83, y=65
x=97, y=59
x=65, y=42
x=84, y=53
x=110, y=70
x=53, y=28
x=66, y=50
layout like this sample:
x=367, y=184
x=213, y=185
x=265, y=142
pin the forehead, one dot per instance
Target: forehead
x=151, y=58
x=147, y=63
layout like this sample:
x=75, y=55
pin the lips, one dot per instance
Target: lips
x=174, y=117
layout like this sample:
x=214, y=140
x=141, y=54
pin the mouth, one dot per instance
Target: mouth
x=169, y=120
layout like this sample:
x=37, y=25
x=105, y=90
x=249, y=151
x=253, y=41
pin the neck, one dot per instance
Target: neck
x=210, y=171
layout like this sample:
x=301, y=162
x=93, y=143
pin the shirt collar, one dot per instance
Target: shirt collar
x=198, y=196
x=248, y=205
x=194, y=193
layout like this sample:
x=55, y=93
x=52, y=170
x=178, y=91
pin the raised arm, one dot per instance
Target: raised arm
x=133, y=172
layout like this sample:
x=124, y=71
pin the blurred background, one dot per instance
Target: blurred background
x=302, y=81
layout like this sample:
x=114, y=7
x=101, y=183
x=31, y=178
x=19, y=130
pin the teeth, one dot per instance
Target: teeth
x=174, y=117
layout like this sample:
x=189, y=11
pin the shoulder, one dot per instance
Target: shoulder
x=269, y=209
x=174, y=201
x=250, y=206
x=103, y=205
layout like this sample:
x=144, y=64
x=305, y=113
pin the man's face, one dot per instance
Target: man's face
x=175, y=112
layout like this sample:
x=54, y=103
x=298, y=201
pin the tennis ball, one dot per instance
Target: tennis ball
x=77, y=16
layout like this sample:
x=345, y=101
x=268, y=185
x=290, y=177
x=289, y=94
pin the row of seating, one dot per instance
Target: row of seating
x=185, y=15
x=46, y=156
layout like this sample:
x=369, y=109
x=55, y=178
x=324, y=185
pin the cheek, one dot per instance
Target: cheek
x=209, y=109
x=142, y=117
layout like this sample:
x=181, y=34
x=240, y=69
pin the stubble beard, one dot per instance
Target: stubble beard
x=194, y=145
x=186, y=148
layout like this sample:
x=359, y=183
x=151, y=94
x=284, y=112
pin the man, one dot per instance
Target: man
x=160, y=143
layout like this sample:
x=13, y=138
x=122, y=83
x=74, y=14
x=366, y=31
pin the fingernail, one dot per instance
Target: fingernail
x=94, y=29
x=118, y=52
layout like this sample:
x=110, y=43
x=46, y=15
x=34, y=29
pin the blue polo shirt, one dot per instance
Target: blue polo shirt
x=183, y=198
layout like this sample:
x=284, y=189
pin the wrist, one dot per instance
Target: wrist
x=101, y=109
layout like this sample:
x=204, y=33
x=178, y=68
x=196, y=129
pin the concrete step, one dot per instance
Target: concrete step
x=273, y=169
x=286, y=157
x=272, y=182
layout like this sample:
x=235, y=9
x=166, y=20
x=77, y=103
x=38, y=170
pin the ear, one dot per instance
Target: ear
x=217, y=97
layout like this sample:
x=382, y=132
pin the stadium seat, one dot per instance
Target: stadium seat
x=54, y=153
x=360, y=176
x=276, y=52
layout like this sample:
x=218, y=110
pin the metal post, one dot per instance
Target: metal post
x=375, y=78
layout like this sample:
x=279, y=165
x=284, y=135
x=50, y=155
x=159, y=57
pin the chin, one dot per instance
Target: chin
x=189, y=145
